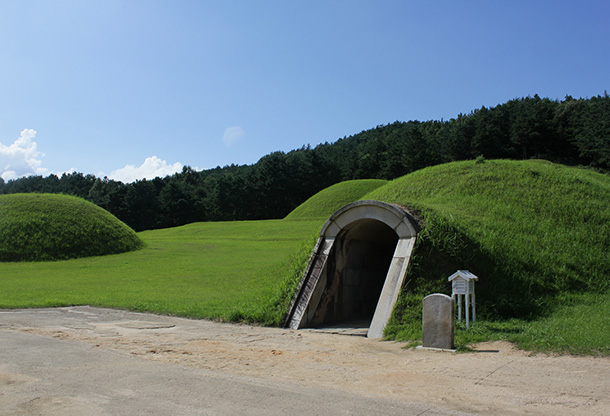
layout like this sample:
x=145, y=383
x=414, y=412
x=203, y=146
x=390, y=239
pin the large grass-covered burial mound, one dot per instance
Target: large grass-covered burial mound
x=42, y=227
x=531, y=228
x=536, y=233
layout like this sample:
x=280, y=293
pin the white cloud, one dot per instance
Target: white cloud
x=233, y=135
x=150, y=169
x=21, y=158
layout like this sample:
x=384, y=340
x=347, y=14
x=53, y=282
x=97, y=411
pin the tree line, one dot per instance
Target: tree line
x=570, y=131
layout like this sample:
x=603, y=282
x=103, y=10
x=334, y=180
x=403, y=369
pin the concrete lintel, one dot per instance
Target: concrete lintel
x=392, y=215
x=405, y=228
x=332, y=229
x=368, y=212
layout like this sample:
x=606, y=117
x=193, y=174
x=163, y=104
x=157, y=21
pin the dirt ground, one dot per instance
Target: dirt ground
x=496, y=379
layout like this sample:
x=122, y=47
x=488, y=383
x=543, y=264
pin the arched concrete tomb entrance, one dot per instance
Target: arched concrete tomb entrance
x=357, y=268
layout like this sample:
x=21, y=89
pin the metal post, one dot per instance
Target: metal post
x=474, y=308
x=467, y=310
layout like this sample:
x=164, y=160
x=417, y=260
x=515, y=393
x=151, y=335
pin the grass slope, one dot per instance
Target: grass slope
x=327, y=201
x=220, y=270
x=537, y=234
x=54, y=227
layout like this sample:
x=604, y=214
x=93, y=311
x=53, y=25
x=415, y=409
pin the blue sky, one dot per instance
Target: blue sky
x=139, y=88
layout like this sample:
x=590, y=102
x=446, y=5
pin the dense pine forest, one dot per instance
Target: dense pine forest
x=571, y=131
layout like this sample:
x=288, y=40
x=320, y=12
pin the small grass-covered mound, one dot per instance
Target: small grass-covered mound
x=531, y=230
x=41, y=227
x=327, y=201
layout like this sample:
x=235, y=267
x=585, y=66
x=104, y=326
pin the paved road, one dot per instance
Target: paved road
x=43, y=375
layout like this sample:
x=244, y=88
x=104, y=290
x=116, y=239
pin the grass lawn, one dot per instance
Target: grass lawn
x=219, y=270
x=536, y=234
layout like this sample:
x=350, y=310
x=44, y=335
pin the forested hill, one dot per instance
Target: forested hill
x=571, y=131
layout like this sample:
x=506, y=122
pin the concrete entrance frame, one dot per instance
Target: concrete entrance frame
x=347, y=260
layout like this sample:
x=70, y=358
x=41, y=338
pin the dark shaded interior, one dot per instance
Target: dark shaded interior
x=356, y=271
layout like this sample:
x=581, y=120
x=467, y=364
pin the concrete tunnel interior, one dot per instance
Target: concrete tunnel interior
x=357, y=268
x=355, y=274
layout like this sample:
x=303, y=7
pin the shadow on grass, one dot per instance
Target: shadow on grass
x=505, y=291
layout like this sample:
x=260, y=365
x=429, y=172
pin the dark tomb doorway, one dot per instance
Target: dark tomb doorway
x=355, y=275
x=356, y=270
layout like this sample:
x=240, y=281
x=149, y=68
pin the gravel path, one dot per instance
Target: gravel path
x=67, y=360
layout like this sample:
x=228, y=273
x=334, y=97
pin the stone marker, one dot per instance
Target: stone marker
x=438, y=321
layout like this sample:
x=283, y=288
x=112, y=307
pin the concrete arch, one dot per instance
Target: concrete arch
x=358, y=265
x=393, y=216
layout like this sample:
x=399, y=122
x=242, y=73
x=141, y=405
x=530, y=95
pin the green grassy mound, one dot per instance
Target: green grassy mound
x=327, y=201
x=41, y=227
x=531, y=230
